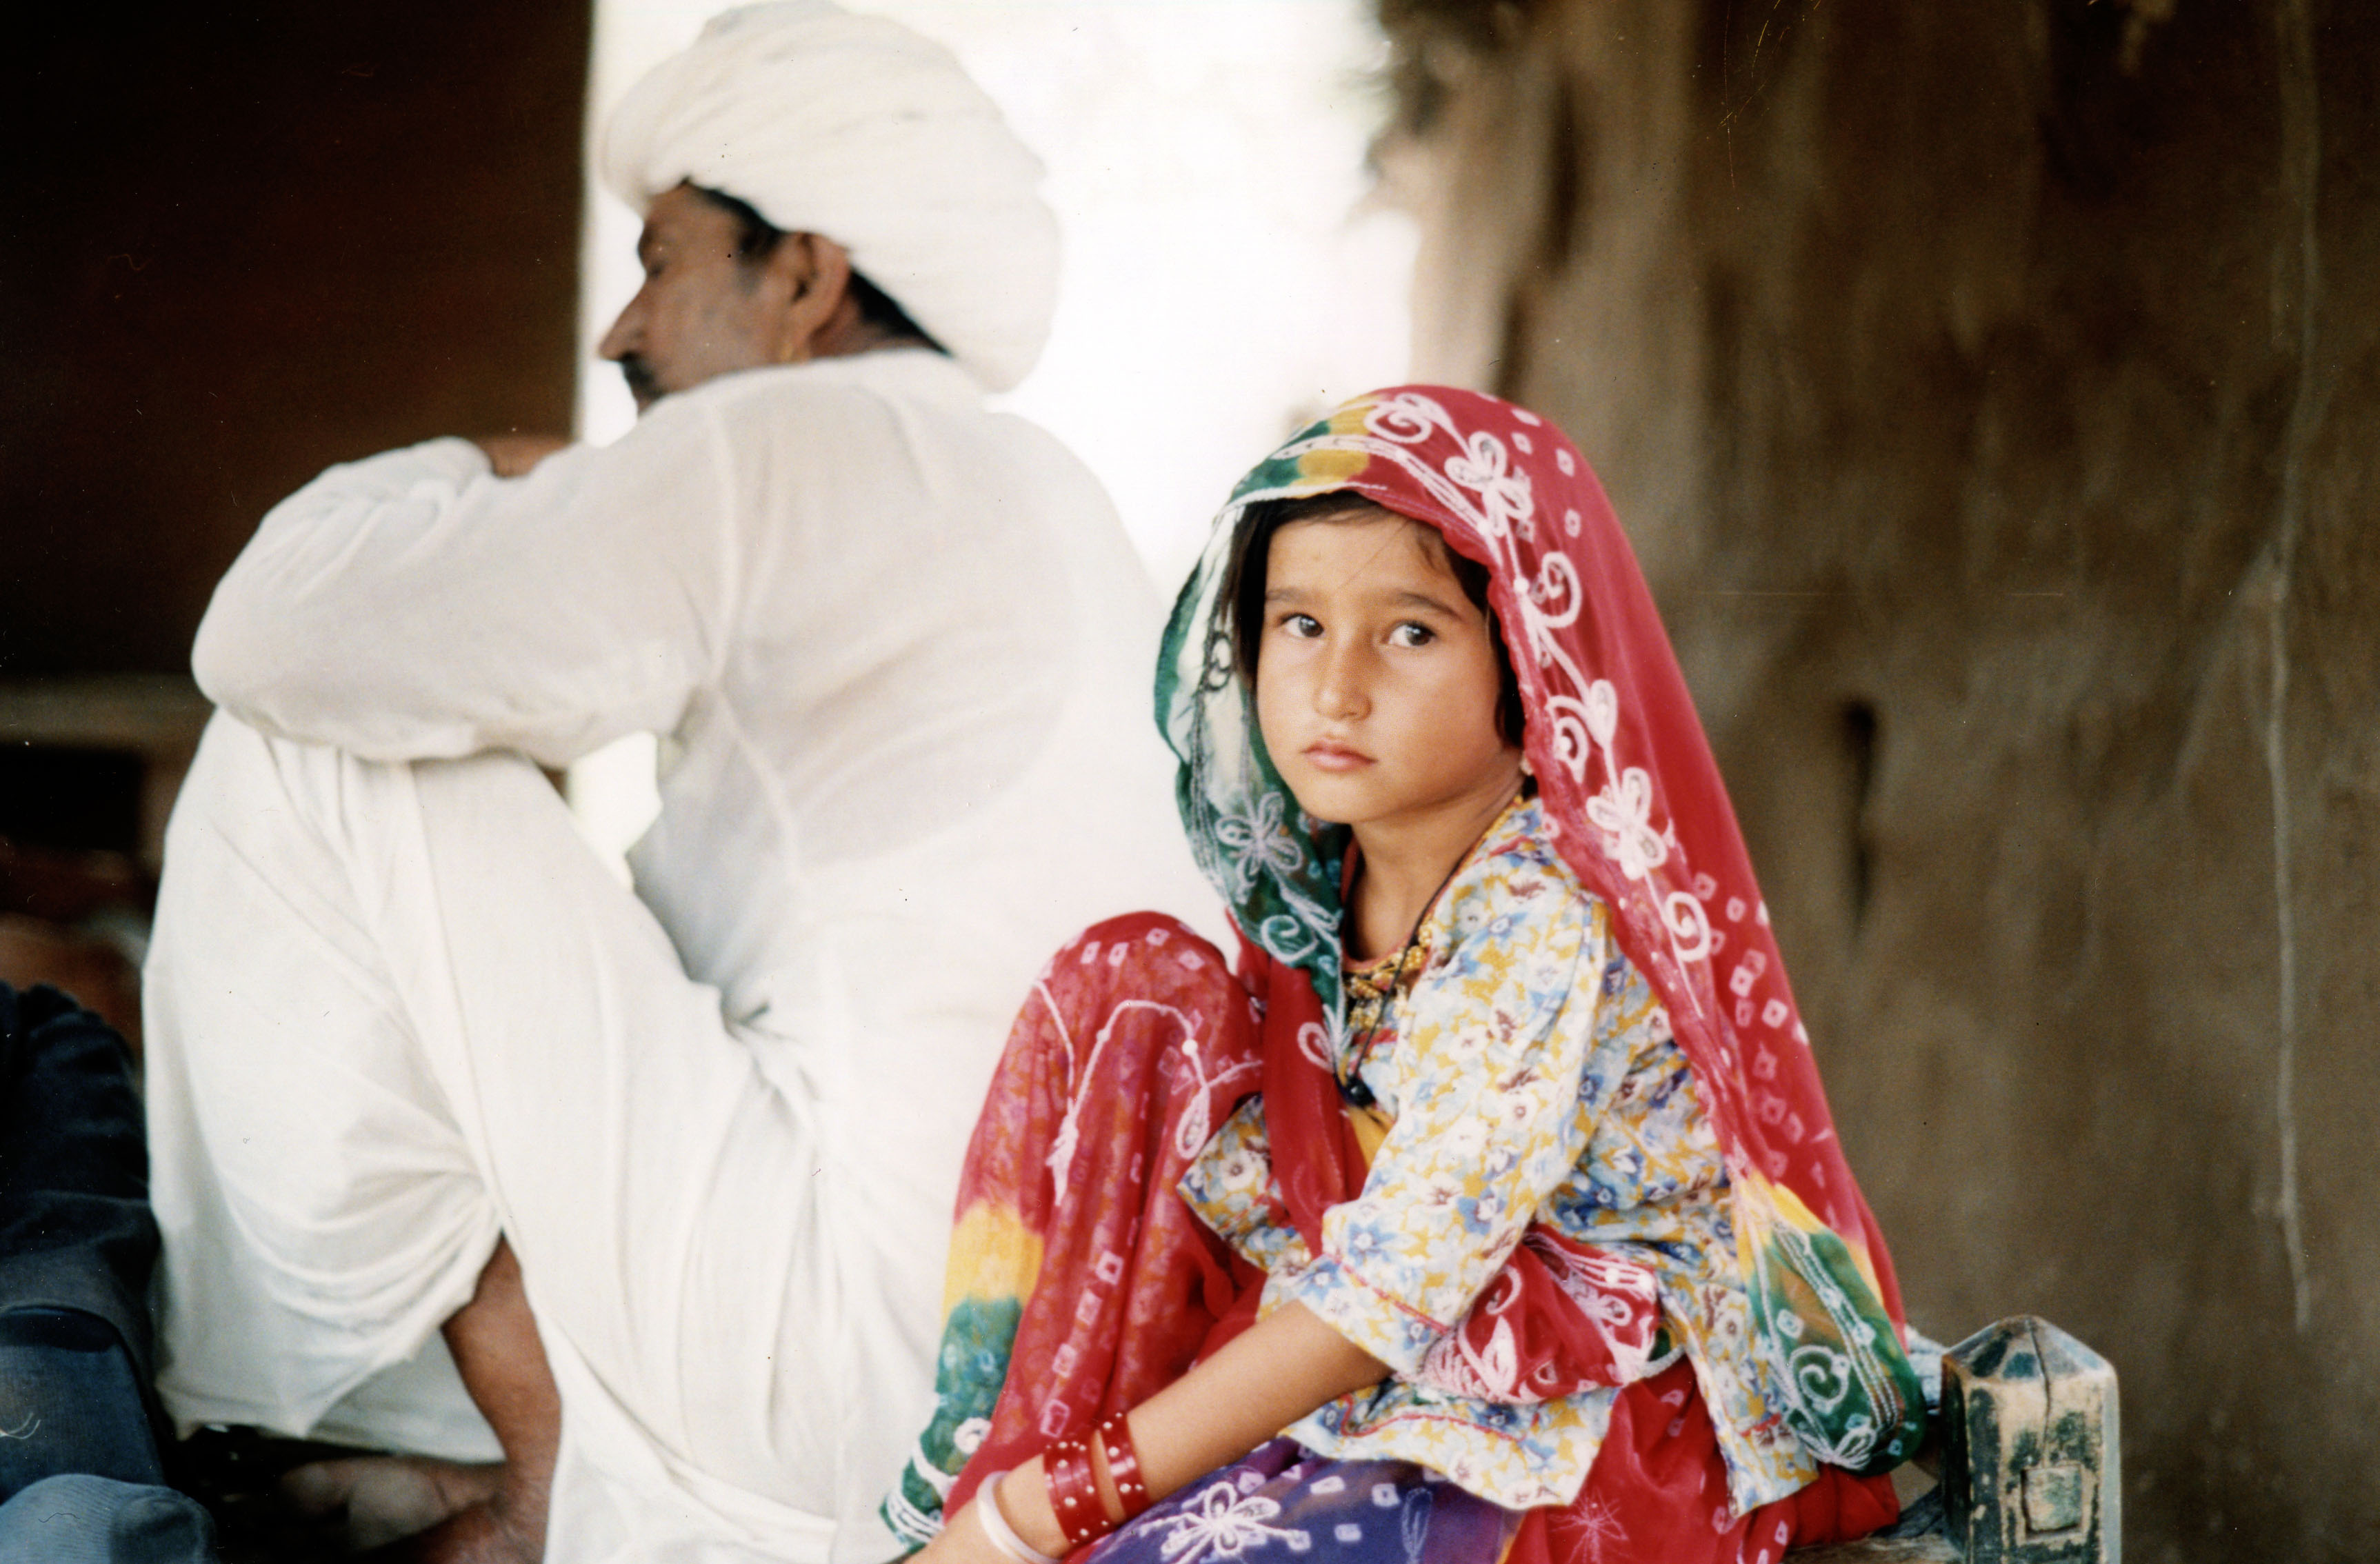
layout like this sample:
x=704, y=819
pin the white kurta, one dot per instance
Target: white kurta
x=901, y=650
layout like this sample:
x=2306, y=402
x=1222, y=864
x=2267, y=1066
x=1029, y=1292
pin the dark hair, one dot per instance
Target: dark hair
x=757, y=238
x=1241, y=601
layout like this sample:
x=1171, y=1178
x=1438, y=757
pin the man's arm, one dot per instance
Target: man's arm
x=418, y=605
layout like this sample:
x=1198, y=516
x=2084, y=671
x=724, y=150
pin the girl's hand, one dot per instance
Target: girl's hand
x=961, y=1541
x=1274, y=1372
x=1024, y=1504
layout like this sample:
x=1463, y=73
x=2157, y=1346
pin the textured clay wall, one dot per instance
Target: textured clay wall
x=1990, y=390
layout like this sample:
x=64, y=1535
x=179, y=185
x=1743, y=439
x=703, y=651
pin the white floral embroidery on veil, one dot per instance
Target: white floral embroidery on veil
x=1258, y=841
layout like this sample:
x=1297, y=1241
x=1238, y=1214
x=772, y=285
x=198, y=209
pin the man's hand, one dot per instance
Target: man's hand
x=514, y=455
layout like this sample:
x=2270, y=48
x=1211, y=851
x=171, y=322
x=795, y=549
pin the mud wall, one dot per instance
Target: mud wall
x=1989, y=389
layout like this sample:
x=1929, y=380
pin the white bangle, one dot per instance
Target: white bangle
x=995, y=1525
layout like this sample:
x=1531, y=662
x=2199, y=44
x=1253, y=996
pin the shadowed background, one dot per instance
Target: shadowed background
x=1988, y=389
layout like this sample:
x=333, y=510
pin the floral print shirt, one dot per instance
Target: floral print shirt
x=1522, y=1071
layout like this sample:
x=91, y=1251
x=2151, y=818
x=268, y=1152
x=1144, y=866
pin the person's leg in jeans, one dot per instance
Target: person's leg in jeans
x=79, y=1456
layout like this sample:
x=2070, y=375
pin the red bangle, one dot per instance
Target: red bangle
x=1074, y=1496
x=1123, y=1465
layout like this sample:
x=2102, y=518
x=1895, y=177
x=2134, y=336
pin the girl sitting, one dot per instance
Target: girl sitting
x=1500, y=1175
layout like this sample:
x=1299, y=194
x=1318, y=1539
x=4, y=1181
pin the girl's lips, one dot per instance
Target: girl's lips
x=1336, y=758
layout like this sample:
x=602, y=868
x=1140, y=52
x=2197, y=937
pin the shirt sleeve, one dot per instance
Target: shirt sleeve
x=1489, y=1122
x=1230, y=1186
x=413, y=606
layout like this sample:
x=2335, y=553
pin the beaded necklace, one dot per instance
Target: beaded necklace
x=1374, y=986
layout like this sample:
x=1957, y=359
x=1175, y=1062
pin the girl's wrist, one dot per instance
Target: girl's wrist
x=993, y=1518
x=1115, y=1466
x=1024, y=1500
x=1070, y=1495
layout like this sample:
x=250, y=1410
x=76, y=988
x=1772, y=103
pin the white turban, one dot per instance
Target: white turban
x=856, y=128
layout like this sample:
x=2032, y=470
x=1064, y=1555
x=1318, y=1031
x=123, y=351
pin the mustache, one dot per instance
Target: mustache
x=643, y=384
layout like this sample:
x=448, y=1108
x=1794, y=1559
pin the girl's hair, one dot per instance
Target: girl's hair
x=1244, y=585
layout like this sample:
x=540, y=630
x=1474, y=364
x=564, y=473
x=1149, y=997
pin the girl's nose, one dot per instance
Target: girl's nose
x=1340, y=695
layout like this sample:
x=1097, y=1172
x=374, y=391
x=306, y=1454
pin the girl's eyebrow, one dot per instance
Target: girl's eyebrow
x=1423, y=599
x=1400, y=600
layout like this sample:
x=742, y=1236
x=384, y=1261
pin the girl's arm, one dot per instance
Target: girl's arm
x=1495, y=1123
x=1285, y=1365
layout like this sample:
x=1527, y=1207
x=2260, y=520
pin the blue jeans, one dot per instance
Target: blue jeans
x=79, y=1451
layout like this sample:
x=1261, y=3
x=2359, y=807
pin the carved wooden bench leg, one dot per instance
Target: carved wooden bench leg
x=2032, y=1464
x=2030, y=1454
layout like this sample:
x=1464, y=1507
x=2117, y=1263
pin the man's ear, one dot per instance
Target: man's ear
x=815, y=275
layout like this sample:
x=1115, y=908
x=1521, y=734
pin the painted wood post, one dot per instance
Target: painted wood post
x=2031, y=1462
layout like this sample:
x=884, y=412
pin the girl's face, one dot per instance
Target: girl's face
x=1376, y=680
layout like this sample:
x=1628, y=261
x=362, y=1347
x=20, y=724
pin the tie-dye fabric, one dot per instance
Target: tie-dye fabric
x=1072, y=1257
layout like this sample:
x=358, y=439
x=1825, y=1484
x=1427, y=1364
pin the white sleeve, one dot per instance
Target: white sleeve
x=413, y=606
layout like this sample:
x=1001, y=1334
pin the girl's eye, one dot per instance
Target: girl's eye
x=1412, y=634
x=1305, y=626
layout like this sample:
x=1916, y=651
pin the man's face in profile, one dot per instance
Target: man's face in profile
x=701, y=312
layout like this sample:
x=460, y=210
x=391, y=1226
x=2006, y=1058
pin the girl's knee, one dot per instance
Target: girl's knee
x=1143, y=951
x=1148, y=965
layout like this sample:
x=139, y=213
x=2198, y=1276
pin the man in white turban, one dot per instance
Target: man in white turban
x=667, y=1176
x=858, y=130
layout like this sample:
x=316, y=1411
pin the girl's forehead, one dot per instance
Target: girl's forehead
x=1362, y=551
x=1364, y=533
